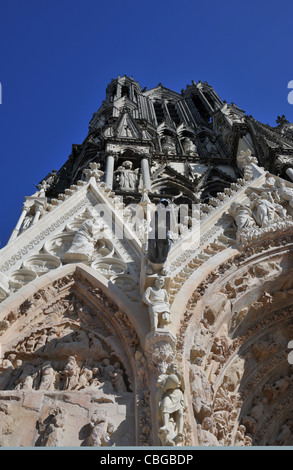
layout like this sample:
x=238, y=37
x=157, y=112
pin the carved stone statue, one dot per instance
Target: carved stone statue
x=85, y=240
x=52, y=428
x=189, y=147
x=70, y=374
x=265, y=210
x=157, y=300
x=171, y=406
x=127, y=177
x=211, y=147
x=169, y=145
x=242, y=215
x=47, y=377
x=102, y=429
x=285, y=193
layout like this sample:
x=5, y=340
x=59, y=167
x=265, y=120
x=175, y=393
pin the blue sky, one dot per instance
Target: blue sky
x=57, y=57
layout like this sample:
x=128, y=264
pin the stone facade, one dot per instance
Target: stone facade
x=146, y=290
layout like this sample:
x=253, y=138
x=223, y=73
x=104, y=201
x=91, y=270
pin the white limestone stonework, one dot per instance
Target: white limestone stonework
x=110, y=339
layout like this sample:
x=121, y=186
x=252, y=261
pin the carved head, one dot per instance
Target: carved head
x=127, y=165
x=159, y=283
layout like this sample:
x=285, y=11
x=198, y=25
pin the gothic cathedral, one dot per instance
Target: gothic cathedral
x=146, y=295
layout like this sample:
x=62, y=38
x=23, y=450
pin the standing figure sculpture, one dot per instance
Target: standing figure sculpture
x=171, y=405
x=127, y=177
x=157, y=300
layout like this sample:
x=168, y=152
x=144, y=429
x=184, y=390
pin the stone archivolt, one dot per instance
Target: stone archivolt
x=71, y=340
x=112, y=337
x=239, y=373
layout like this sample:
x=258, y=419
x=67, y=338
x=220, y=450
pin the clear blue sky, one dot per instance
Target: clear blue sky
x=57, y=57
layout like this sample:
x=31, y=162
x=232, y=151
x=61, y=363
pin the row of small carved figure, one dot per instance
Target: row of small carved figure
x=47, y=375
x=53, y=428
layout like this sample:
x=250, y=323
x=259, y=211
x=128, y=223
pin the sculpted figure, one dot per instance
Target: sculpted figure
x=242, y=215
x=169, y=145
x=102, y=429
x=285, y=192
x=70, y=374
x=117, y=379
x=189, y=147
x=86, y=238
x=265, y=210
x=52, y=428
x=207, y=433
x=211, y=147
x=26, y=379
x=171, y=406
x=85, y=378
x=47, y=377
x=6, y=370
x=157, y=300
x=127, y=177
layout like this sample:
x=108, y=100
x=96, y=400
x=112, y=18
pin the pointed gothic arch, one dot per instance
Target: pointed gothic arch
x=234, y=338
x=68, y=344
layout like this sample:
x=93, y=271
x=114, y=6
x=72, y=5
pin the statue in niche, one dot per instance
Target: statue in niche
x=169, y=145
x=211, y=147
x=52, y=428
x=171, y=406
x=127, y=177
x=102, y=429
x=157, y=300
x=189, y=147
x=265, y=210
x=85, y=240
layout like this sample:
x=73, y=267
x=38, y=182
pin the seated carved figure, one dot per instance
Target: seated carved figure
x=157, y=300
x=84, y=241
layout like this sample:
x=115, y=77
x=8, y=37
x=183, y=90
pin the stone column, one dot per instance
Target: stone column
x=146, y=173
x=15, y=232
x=289, y=172
x=39, y=209
x=109, y=171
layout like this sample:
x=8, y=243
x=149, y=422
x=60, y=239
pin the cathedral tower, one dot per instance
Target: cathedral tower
x=146, y=290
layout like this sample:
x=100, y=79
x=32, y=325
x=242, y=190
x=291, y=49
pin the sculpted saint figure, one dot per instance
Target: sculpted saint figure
x=265, y=210
x=285, y=192
x=157, y=300
x=47, y=377
x=211, y=147
x=242, y=215
x=189, y=146
x=171, y=405
x=52, y=431
x=102, y=429
x=86, y=238
x=70, y=374
x=127, y=177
